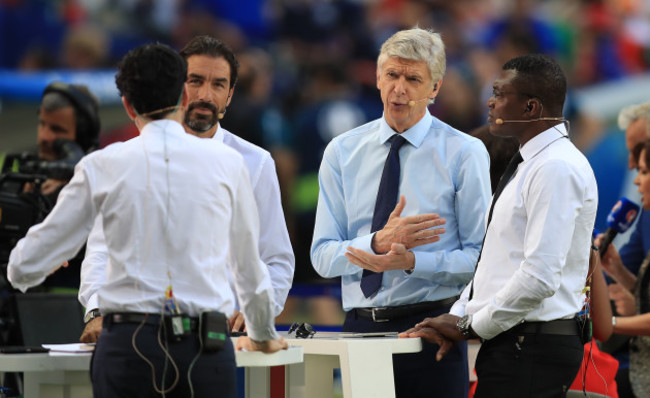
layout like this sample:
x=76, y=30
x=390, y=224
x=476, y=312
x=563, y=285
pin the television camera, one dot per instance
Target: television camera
x=22, y=202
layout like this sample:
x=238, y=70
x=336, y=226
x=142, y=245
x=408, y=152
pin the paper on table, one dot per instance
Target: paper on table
x=369, y=334
x=67, y=349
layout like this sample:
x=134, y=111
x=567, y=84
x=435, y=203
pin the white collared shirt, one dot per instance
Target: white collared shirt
x=165, y=222
x=274, y=245
x=535, y=257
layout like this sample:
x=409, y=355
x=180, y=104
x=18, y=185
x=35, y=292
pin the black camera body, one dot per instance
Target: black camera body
x=21, y=208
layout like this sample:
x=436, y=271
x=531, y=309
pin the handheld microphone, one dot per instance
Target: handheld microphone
x=619, y=219
x=413, y=102
x=501, y=121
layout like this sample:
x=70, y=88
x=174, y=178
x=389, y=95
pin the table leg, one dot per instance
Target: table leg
x=57, y=384
x=258, y=382
x=314, y=378
x=367, y=371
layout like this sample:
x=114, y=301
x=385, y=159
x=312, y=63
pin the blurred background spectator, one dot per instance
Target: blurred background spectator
x=308, y=74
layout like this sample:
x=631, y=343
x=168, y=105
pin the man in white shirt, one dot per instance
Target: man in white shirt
x=528, y=284
x=212, y=74
x=160, y=196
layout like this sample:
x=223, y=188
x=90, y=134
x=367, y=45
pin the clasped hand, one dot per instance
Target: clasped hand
x=441, y=330
x=396, y=238
x=245, y=343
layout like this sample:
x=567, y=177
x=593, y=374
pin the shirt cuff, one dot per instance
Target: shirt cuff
x=262, y=334
x=484, y=325
x=365, y=243
x=458, y=308
x=92, y=303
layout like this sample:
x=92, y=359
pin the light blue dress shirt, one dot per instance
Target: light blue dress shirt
x=443, y=171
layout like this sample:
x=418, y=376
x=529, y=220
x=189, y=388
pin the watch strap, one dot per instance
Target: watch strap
x=92, y=314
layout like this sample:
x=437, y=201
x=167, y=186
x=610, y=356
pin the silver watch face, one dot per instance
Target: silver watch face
x=90, y=316
x=464, y=324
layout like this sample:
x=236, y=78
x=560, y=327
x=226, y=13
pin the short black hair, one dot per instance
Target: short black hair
x=539, y=76
x=151, y=78
x=213, y=47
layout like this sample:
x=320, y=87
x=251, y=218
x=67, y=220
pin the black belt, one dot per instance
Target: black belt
x=385, y=314
x=147, y=319
x=564, y=327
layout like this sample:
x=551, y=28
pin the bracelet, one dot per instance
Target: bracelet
x=613, y=321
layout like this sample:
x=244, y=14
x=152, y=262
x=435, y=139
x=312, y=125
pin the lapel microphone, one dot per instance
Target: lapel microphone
x=501, y=121
x=412, y=102
x=221, y=114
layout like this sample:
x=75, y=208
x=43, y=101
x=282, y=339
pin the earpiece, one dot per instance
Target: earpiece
x=529, y=107
x=88, y=135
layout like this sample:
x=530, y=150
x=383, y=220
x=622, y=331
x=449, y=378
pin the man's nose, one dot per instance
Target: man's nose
x=46, y=135
x=399, y=86
x=205, y=93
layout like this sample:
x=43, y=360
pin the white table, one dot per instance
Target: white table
x=258, y=375
x=366, y=365
x=50, y=376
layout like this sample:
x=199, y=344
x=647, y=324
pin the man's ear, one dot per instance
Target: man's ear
x=436, y=89
x=185, y=99
x=533, y=108
x=230, y=94
x=377, y=73
x=129, y=109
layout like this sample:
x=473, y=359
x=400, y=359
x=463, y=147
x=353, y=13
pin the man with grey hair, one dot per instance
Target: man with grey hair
x=635, y=120
x=381, y=208
x=68, y=128
x=67, y=112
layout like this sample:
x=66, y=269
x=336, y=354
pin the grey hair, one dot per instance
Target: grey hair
x=416, y=44
x=632, y=113
x=53, y=101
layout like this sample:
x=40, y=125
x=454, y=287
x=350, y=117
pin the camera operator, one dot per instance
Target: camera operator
x=68, y=128
x=68, y=112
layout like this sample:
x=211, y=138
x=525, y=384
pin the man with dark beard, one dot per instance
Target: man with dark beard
x=211, y=78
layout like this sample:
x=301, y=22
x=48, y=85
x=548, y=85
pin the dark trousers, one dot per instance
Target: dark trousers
x=527, y=365
x=118, y=371
x=419, y=374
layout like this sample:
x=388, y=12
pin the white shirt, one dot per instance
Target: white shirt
x=536, y=251
x=274, y=244
x=164, y=222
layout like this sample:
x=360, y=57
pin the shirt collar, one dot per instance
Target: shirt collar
x=415, y=135
x=219, y=134
x=163, y=124
x=542, y=140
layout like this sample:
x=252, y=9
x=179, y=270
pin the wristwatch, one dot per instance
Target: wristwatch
x=464, y=326
x=92, y=314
